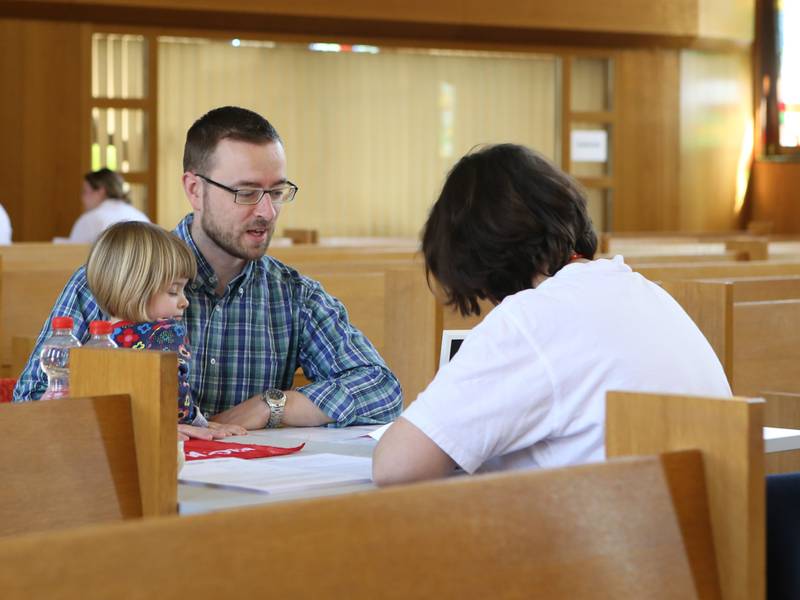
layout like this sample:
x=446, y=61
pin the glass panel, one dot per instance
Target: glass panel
x=137, y=192
x=118, y=66
x=590, y=149
x=789, y=72
x=590, y=84
x=598, y=203
x=119, y=139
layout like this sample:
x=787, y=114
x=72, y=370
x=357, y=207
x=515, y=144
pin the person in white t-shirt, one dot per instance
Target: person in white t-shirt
x=5, y=227
x=527, y=387
x=105, y=202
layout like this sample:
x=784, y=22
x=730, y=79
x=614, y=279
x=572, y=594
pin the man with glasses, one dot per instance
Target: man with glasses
x=252, y=320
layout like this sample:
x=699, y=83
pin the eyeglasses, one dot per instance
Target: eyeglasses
x=279, y=195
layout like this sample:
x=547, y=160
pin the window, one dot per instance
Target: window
x=788, y=72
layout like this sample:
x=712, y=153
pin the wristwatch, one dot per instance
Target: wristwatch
x=276, y=400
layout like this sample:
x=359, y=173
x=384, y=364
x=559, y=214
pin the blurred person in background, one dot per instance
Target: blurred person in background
x=105, y=202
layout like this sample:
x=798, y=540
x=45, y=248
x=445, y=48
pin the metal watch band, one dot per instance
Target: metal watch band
x=276, y=400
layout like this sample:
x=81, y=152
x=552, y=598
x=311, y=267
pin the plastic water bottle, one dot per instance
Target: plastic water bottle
x=54, y=358
x=101, y=335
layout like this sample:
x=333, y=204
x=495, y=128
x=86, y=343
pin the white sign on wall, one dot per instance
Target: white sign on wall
x=589, y=145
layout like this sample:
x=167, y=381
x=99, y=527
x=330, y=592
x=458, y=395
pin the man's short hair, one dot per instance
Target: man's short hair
x=505, y=215
x=131, y=262
x=227, y=122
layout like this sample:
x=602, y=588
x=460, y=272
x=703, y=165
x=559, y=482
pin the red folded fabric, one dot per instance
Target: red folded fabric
x=201, y=449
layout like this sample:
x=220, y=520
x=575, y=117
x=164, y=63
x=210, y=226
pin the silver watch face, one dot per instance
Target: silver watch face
x=275, y=395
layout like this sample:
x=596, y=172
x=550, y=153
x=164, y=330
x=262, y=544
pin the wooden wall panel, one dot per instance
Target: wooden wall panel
x=45, y=132
x=730, y=19
x=646, y=170
x=662, y=17
x=775, y=188
x=715, y=111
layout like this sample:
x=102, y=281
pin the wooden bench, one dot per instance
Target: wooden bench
x=66, y=463
x=728, y=431
x=150, y=379
x=603, y=531
x=755, y=340
x=32, y=276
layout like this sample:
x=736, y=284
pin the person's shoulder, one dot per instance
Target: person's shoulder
x=278, y=271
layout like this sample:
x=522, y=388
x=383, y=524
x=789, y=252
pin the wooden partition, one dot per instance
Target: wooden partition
x=756, y=341
x=601, y=531
x=782, y=410
x=150, y=378
x=65, y=463
x=32, y=275
x=755, y=268
x=729, y=433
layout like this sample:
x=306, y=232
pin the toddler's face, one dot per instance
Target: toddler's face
x=169, y=303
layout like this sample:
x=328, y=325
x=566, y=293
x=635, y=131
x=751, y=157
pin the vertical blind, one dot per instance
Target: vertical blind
x=369, y=137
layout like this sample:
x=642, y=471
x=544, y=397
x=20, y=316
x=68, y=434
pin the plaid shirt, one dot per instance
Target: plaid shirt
x=270, y=321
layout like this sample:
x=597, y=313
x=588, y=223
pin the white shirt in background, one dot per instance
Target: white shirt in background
x=527, y=387
x=5, y=227
x=93, y=222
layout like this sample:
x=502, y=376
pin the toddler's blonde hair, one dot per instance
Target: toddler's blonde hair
x=131, y=262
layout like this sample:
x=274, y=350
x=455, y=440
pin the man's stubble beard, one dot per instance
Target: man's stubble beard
x=229, y=242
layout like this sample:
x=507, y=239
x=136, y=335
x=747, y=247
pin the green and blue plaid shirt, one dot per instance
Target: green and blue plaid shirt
x=270, y=321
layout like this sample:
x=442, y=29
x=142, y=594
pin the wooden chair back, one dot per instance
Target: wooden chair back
x=150, y=379
x=302, y=236
x=766, y=348
x=728, y=431
x=601, y=531
x=65, y=463
x=27, y=296
x=701, y=270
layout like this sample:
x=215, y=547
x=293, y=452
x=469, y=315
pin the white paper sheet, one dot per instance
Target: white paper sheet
x=376, y=435
x=280, y=474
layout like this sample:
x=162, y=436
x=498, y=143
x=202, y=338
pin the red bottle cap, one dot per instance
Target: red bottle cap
x=100, y=327
x=62, y=323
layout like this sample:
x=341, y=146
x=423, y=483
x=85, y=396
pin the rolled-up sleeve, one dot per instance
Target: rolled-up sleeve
x=351, y=382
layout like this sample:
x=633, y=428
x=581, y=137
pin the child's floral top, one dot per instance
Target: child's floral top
x=168, y=335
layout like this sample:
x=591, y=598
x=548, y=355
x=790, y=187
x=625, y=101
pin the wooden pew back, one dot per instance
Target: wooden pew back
x=766, y=348
x=598, y=531
x=150, y=379
x=65, y=463
x=32, y=276
x=754, y=340
x=729, y=433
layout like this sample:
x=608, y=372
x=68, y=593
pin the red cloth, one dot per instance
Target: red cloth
x=200, y=449
x=7, y=389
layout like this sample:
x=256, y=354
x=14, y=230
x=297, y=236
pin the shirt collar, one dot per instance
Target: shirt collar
x=206, y=278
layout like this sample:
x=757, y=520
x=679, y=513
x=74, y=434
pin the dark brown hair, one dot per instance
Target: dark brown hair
x=227, y=122
x=505, y=216
x=111, y=182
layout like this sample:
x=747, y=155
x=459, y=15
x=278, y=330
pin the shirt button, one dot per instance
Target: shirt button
x=218, y=308
x=241, y=291
x=213, y=361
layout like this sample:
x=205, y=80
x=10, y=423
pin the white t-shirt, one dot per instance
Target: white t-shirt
x=527, y=387
x=5, y=227
x=93, y=222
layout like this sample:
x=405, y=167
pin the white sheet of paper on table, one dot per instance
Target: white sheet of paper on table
x=376, y=435
x=280, y=474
